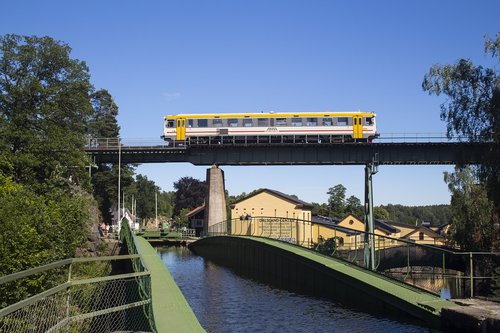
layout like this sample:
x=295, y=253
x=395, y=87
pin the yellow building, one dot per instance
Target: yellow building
x=349, y=231
x=424, y=235
x=270, y=213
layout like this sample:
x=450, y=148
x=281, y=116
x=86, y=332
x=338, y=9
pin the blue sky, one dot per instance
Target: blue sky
x=168, y=57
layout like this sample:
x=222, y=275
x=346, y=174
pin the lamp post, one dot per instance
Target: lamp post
x=119, y=183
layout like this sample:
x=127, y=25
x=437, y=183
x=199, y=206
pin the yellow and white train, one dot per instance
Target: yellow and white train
x=270, y=127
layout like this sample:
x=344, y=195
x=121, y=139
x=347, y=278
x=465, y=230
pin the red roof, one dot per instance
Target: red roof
x=196, y=210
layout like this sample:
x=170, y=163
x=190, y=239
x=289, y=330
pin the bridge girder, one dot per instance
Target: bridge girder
x=306, y=154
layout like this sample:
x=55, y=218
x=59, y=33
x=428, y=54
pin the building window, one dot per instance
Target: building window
x=202, y=123
x=421, y=236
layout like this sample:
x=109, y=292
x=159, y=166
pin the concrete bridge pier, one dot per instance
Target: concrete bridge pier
x=215, y=202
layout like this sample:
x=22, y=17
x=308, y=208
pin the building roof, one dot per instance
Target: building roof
x=298, y=202
x=196, y=210
x=425, y=230
x=385, y=226
x=332, y=223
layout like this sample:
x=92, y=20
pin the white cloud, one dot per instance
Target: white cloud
x=171, y=96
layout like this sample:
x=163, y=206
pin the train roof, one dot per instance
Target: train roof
x=273, y=114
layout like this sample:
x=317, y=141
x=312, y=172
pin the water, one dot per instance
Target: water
x=225, y=302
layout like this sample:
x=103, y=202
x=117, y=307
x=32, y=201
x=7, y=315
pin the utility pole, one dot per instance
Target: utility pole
x=156, y=208
x=119, y=182
x=370, y=170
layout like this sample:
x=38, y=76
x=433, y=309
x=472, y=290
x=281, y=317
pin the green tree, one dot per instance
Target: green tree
x=353, y=206
x=472, y=211
x=380, y=213
x=320, y=209
x=145, y=194
x=37, y=229
x=336, y=200
x=166, y=201
x=44, y=104
x=189, y=194
x=472, y=109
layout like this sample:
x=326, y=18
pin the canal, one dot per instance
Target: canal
x=226, y=302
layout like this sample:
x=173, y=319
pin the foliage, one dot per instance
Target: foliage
x=189, y=194
x=336, y=200
x=380, y=213
x=181, y=220
x=48, y=228
x=353, y=206
x=44, y=112
x=44, y=102
x=472, y=211
x=328, y=246
x=145, y=191
x=472, y=108
x=411, y=215
x=320, y=209
x=102, y=123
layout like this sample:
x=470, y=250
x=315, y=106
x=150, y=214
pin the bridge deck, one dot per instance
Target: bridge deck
x=172, y=312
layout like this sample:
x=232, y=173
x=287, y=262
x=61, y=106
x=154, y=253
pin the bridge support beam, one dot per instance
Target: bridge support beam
x=370, y=170
x=215, y=202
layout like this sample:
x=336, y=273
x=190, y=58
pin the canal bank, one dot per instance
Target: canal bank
x=172, y=312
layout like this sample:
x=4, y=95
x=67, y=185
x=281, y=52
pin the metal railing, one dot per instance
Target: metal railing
x=402, y=137
x=86, y=295
x=423, y=265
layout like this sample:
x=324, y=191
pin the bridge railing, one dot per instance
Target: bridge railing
x=85, y=296
x=388, y=137
x=88, y=294
x=432, y=266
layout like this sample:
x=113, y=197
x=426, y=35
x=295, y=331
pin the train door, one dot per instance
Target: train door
x=181, y=129
x=357, y=125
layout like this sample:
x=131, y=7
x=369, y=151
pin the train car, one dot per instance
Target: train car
x=270, y=127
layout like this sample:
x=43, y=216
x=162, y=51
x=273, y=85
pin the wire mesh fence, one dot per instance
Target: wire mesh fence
x=94, y=294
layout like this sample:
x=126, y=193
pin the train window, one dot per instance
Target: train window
x=232, y=122
x=202, y=122
x=190, y=123
x=247, y=122
x=280, y=122
x=342, y=121
x=170, y=123
x=217, y=123
x=327, y=122
x=263, y=122
x=312, y=122
x=296, y=121
x=369, y=121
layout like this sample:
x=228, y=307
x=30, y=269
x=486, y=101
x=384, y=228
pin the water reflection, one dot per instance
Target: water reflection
x=226, y=302
x=447, y=283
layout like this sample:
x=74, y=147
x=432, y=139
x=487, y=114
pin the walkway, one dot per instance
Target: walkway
x=172, y=312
